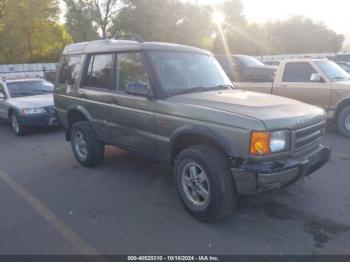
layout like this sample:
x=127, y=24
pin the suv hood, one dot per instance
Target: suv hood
x=33, y=101
x=274, y=111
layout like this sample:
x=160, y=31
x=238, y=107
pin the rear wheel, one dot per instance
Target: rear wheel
x=343, y=121
x=205, y=184
x=16, y=126
x=88, y=150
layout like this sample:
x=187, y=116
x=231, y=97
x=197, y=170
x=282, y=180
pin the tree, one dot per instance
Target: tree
x=104, y=12
x=31, y=32
x=89, y=19
x=166, y=20
x=302, y=35
x=235, y=35
x=80, y=20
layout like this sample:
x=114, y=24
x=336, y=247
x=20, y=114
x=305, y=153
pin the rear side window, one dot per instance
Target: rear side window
x=130, y=69
x=99, y=72
x=70, y=69
x=298, y=72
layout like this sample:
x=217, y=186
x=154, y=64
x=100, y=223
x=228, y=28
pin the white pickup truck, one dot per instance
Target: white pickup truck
x=315, y=81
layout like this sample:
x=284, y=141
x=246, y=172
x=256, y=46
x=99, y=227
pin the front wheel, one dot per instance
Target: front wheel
x=343, y=121
x=16, y=126
x=205, y=184
x=88, y=150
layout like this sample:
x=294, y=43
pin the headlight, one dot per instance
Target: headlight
x=32, y=111
x=264, y=142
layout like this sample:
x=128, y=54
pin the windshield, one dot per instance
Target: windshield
x=29, y=88
x=249, y=61
x=185, y=72
x=333, y=71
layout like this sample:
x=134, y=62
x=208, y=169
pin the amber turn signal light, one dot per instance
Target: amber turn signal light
x=260, y=143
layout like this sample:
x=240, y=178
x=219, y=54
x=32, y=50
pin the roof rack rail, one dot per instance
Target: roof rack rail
x=135, y=37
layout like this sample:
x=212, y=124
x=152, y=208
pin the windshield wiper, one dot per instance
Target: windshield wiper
x=43, y=91
x=220, y=87
x=200, y=89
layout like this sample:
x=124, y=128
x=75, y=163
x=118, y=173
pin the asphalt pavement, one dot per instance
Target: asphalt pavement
x=49, y=204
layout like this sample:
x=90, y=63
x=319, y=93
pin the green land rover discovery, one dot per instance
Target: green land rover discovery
x=173, y=103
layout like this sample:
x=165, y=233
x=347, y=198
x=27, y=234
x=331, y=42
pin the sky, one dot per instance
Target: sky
x=333, y=13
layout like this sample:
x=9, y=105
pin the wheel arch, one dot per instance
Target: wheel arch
x=340, y=107
x=74, y=115
x=191, y=135
x=10, y=110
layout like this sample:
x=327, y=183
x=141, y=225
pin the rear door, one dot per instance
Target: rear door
x=297, y=82
x=131, y=117
x=95, y=91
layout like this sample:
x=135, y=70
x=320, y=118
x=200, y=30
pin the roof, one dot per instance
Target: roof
x=109, y=45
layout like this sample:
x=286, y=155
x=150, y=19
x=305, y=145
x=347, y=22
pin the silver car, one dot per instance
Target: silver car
x=27, y=102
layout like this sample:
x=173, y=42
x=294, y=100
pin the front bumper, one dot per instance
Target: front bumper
x=255, y=178
x=41, y=120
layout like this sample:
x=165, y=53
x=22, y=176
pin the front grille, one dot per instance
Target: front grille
x=307, y=138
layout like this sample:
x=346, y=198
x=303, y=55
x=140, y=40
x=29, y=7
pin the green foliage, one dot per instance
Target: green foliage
x=80, y=18
x=302, y=35
x=166, y=20
x=30, y=29
x=294, y=35
x=30, y=32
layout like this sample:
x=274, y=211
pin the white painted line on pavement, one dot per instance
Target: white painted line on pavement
x=80, y=244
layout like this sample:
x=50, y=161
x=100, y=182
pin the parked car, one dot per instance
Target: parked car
x=272, y=62
x=342, y=57
x=27, y=103
x=315, y=81
x=242, y=68
x=345, y=66
x=175, y=104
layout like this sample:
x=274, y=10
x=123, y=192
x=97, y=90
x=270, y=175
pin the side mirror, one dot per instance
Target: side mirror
x=137, y=88
x=2, y=96
x=316, y=78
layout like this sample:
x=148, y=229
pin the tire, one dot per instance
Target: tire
x=222, y=194
x=343, y=121
x=89, y=151
x=17, y=127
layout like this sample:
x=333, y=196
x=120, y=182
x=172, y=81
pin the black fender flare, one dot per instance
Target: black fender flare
x=228, y=147
x=82, y=111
